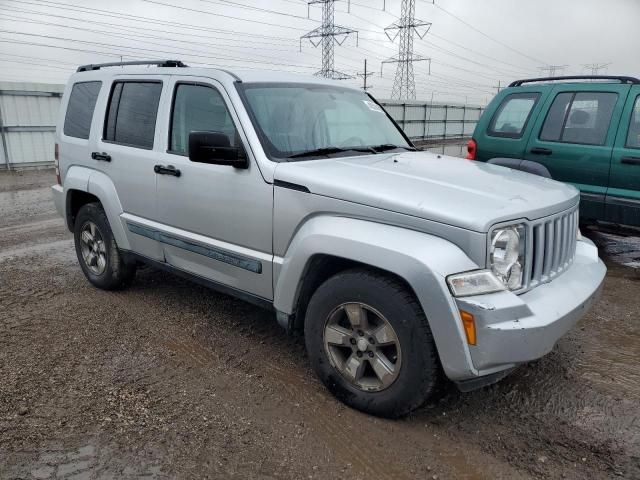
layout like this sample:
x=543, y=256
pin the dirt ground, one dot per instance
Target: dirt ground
x=171, y=380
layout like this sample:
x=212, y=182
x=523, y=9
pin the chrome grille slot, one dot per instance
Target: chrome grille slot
x=553, y=247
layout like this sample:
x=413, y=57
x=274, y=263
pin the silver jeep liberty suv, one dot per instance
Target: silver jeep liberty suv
x=303, y=196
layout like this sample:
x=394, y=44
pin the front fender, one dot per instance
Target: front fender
x=422, y=260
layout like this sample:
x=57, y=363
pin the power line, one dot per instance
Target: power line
x=475, y=52
x=135, y=36
x=472, y=27
x=138, y=18
x=138, y=57
x=137, y=28
x=207, y=12
x=126, y=47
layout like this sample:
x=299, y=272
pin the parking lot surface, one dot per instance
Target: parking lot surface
x=170, y=380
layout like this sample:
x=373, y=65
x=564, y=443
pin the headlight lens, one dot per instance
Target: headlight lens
x=476, y=282
x=506, y=256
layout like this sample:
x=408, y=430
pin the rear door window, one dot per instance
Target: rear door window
x=82, y=103
x=579, y=117
x=512, y=115
x=131, y=114
x=633, y=137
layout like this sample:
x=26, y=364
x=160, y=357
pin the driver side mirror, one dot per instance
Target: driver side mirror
x=215, y=148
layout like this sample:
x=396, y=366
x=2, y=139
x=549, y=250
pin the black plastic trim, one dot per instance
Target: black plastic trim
x=623, y=202
x=219, y=287
x=479, y=382
x=218, y=254
x=158, y=63
x=291, y=186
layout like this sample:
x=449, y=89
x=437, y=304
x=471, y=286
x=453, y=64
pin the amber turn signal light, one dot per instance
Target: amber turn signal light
x=469, y=324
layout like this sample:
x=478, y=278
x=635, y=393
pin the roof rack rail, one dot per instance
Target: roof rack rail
x=157, y=63
x=621, y=79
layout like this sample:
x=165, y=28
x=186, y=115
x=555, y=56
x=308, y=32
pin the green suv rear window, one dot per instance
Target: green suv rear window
x=512, y=115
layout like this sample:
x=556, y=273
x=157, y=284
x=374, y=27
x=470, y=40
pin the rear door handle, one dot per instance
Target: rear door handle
x=167, y=170
x=104, y=157
x=541, y=151
x=630, y=160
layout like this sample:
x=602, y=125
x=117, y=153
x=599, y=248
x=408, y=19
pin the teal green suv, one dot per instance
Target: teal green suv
x=581, y=130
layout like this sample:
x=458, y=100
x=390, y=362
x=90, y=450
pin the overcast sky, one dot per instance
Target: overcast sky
x=473, y=44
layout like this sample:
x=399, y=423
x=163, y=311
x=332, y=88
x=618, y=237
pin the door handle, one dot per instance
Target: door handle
x=541, y=151
x=104, y=157
x=630, y=160
x=168, y=170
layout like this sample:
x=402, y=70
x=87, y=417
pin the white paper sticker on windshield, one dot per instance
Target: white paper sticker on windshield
x=373, y=106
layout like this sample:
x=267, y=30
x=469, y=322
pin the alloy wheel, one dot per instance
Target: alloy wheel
x=362, y=346
x=92, y=246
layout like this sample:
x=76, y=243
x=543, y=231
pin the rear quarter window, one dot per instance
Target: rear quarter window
x=512, y=116
x=82, y=103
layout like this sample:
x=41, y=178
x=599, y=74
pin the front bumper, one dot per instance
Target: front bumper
x=513, y=329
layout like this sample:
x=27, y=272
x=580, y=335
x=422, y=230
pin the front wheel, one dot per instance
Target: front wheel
x=97, y=251
x=370, y=343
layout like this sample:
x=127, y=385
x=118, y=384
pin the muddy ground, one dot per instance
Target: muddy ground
x=170, y=380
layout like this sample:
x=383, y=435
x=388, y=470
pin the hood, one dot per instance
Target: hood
x=450, y=190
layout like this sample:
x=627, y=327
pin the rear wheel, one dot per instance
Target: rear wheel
x=97, y=251
x=369, y=342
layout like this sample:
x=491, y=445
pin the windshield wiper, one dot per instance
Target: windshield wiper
x=318, y=152
x=390, y=146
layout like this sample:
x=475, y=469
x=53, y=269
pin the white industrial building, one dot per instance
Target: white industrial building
x=28, y=115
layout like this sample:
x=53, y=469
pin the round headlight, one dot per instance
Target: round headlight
x=506, y=255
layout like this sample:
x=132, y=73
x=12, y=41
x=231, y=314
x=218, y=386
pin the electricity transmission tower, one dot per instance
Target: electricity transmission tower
x=551, y=70
x=406, y=27
x=327, y=35
x=365, y=76
x=596, y=67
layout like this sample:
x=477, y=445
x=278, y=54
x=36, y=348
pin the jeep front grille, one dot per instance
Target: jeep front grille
x=551, y=247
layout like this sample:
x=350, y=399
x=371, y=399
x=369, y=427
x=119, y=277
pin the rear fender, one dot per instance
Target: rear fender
x=102, y=187
x=76, y=178
x=422, y=260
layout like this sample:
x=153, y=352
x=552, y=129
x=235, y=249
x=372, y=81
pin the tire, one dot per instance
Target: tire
x=97, y=251
x=329, y=317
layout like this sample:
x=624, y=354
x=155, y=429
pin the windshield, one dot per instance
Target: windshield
x=298, y=121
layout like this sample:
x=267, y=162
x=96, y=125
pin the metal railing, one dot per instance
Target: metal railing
x=434, y=121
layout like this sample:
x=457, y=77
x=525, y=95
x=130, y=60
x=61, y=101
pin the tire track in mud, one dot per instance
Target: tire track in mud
x=318, y=409
x=183, y=345
x=200, y=345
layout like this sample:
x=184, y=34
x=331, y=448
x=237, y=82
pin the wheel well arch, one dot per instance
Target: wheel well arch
x=321, y=267
x=75, y=200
